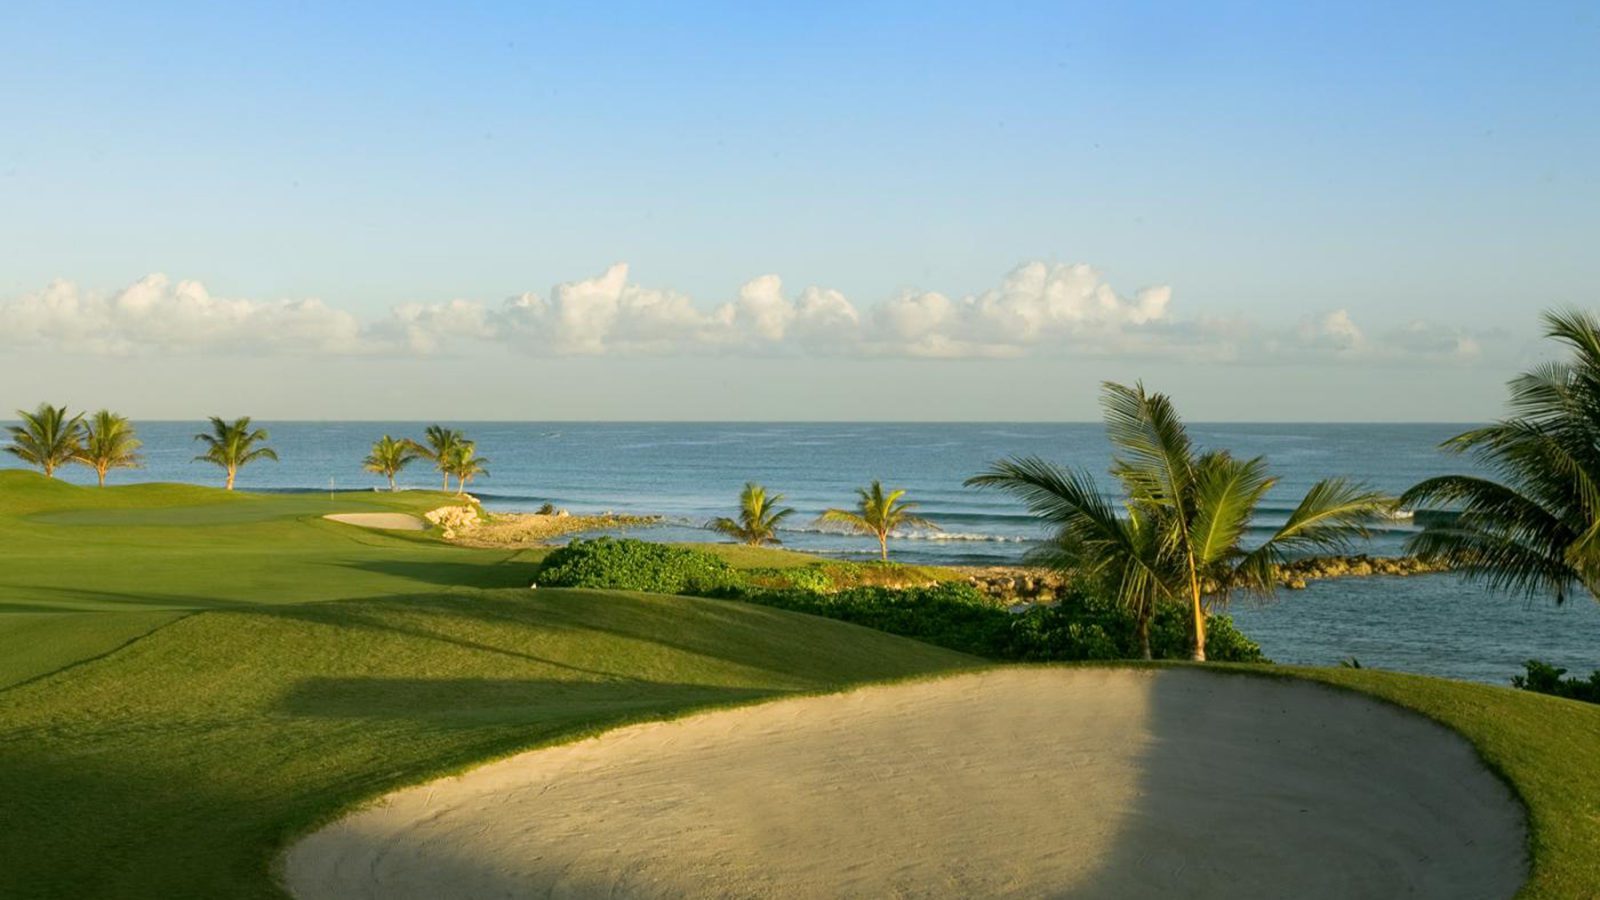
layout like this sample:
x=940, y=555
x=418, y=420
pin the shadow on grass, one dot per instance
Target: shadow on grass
x=107, y=601
x=466, y=701
x=445, y=573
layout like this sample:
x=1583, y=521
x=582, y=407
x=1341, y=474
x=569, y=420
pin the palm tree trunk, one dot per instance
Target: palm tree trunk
x=49, y=469
x=883, y=546
x=231, y=472
x=391, y=482
x=101, y=471
x=446, y=487
x=1143, y=630
x=1199, y=617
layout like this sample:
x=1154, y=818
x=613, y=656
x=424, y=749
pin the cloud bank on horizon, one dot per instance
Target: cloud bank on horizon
x=1037, y=308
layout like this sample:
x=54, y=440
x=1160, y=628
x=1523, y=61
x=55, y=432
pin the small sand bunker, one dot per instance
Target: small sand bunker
x=385, y=521
x=1022, y=782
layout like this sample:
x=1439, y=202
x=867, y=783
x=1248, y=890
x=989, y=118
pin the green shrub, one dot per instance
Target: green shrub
x=956, y=615
x=630, y=565
x=1543, y=678
x=1081, y=625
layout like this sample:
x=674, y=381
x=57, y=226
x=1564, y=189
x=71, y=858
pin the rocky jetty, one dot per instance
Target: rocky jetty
x=1028, y=585
x=1295, y=575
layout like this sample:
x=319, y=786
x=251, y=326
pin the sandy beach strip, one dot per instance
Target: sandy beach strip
x=1048, y=781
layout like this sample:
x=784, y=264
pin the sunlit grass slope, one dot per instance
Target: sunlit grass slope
x=83, y=570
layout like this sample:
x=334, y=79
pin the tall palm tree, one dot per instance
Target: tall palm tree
x=47, y=438
x=464, y=462
x=389, y=456
x=232, y=445
x=758, y=520
x=109, y=442
x=440, y=447
x=1190, y=511
x=877, y=514
x=1534, y=527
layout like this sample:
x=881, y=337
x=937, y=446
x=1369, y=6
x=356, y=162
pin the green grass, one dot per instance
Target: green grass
x=195, y=677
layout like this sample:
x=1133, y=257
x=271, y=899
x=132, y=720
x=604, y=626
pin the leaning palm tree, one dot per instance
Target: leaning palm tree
x=1094, y=541
x=440, y=446
x=464, y=462
x=47, y=438
x=389, y=456
x=109, y=442
x=1193, y=509
x=877, y=514
x=1533, y=528
x=758, y=520
x=232, y=445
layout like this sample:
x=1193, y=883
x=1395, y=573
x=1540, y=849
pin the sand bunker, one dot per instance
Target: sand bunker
x=386, y=521
x=1026, y=782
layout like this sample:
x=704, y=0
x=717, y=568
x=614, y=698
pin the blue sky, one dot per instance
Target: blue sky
x=1344, y=195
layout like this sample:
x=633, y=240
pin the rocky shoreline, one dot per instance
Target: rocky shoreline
x=1032, y=584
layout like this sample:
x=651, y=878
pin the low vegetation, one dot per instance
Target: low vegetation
x=1543, y=678
x=908, y=601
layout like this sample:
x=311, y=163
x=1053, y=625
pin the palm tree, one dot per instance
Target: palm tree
x=758, y=520
x=389, y=456
x=1093, y=540
x=232, y=445
x=464, y=462
x=1534, y=527
x=440, y=448
x=109, y=442
x=1186, y=513
x=877, y=514
x=46, y=438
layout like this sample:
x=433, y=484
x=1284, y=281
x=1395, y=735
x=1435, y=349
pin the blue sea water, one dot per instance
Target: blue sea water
x=691, y=472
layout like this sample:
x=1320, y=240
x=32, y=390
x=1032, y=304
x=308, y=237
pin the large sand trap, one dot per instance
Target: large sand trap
x=1024, y=782
x=386, y=521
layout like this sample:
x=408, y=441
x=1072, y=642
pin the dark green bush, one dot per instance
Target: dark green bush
x=1080, y=625
x=630, y=565
x=1543, y=678
x=955, y=615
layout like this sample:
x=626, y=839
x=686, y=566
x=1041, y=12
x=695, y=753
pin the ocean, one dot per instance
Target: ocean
x=691, y=472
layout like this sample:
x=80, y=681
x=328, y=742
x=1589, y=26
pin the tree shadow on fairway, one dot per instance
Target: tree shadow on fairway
x=476, y=701
x=76, y=599
x=445, y=620
x=449, y=573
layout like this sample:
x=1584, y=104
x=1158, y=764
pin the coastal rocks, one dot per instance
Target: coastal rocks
x=1017, y=586
x=1012, y=586
x=454, y=520
x=1294, y=575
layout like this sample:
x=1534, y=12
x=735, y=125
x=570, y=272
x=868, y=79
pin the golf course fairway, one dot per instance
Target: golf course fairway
x=191, y=681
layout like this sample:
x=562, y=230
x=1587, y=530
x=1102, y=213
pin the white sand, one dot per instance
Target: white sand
x=1022, y=782
x=386, y=521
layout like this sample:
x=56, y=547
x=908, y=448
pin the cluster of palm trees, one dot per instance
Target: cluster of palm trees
x=451, y=453
x=877, y=513
x=51, y=437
